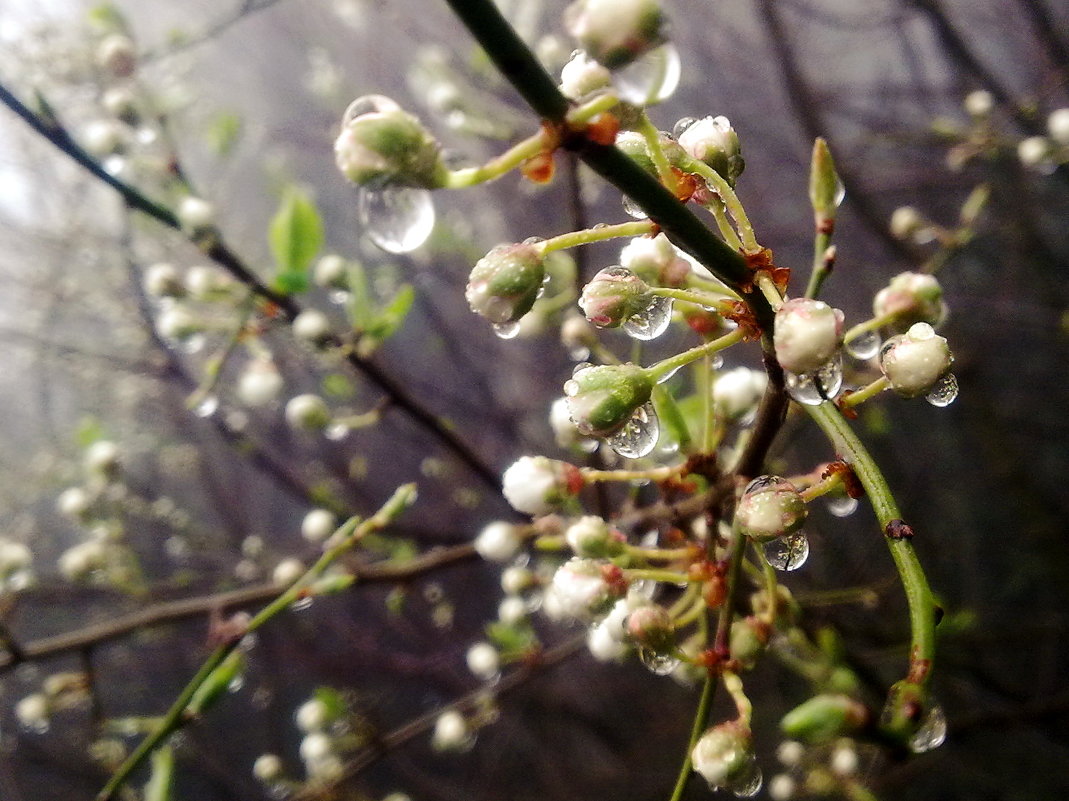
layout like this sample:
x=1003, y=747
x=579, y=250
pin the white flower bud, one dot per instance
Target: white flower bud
x=781, y=787
x=655, y=260
x=121, y=103
x=713, y=141
x=307, y=413
x=915, y=361
x=103, y=137
x=162, y=281
x=102, y=458
x=1033, y=151
x=769, y=508
x=582, y=589
x=536, y=485
x=807, y=334
x=78, y=561
x=195, y=214
x=32, y=711
x=979, y=104
x=483, y=661
x=911, y=298
x=737, y=392
x=203, y=281
x=515, y=580
x=260, y=383
x=906, y=221
x=603, y=646
x=512, y=610
x=316, y=746
x=14, y=556
x=451, y=732
x=498, y=542
x=312, y=326
x=564, y=431
x=178, y=323
x=117, y=55
x=591, y=536
x=287, y=571
x=616, y=32
x=267, y=768
x=317, y=525
x=790, y=753
x=723, y=754
x=331, y=272
x=844, y=761
x=1058, y=126
x=312, y=715
x=582, y=76
x=73, y=502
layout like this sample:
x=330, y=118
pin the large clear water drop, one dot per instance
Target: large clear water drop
x=814, y=388
x=748, y=783
x=633, y=210
x=507, y=330
x=788, y=552
x=932, y=733
x=682, y=125
x=864, y=346
x=842, y=506
x=639, y=435
x=397, y=218
x=944, y=393
x=651, y=78
x=652, y=321
x=658, y=664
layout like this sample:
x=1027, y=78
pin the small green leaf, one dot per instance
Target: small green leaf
x=333, y=700
x=361, y=309
x=825, y=188
x=217, y=683
x=295, y=233
x=161, y=781
x=392, y=316
x=291, y=282
x=223, y=132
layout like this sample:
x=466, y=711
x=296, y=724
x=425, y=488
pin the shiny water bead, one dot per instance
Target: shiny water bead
x=864, y=346
x=396, y=218
x=932, y=731
x=945, y=391
x=789, y=552
x=652, y=321
x=651, y=78
x=639, y=435
x=814, y=388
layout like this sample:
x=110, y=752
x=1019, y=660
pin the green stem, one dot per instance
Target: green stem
x=666, y=366
x=176, y=717
x=720, y=304
x=869, y=325
x=769, y=290
x=821, y=263
x=655, y=574
x=731, y=201
x=653, y=147
x=860, y=396
x=596, y=234
x=716, y=207
x=653, y=474
x=701, y=719
x=922, y=609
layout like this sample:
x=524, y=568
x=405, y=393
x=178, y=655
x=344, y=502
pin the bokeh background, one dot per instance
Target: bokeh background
x=253, y=92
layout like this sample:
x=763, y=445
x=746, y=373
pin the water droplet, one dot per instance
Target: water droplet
x=146, y=135
x=192, y=344
x=367, y=104
x=302, y=604
x=682, y=125
x=336, y=432
x=580, y=367
x=652, y=321
x=842, y=506
x=579, y=353
x=339, y=296
x=206, y=406
x=814, y=388
x=788, y=552
x=397, y=218
x=658, y=664
x=748, y=783
x=840, y=192
x=235, y=684
x=639, y=435
x=507, y=330
x=932, y=733
x=945, y=391
x=651, y=78
x=864, y=346
x=113, y=165
x=633, y=209
x=668, y=375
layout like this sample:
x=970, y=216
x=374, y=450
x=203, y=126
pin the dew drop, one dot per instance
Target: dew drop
x=339, y=297
x=658, y=664
x=579, y=353
x=302, y=604
x=507, y=330
x=207, y=406
x=236, y=684
x=842, y=506
x=146, y=135
x=652, y=321
x=788, y=552
x=932, y=732
x=682, y=125
x=651, y=78
x=639, y=435
x=840, y=192
x=397, y=218
x=944, y=393
x=668, y=375
x=864, y=346
x=113, y=165
x=367, y=104
x=633, y=210
x=192, y=344
x=748, y=783
x=814, y=388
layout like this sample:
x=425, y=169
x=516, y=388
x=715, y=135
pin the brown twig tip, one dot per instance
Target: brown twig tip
x=898, y=530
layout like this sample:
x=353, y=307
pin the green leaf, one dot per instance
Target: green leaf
x=361, y=309
x=392, y=316
x=223, y=132
x=161, y=782
x=89, y=431
x=291, y=282
x=295, y=233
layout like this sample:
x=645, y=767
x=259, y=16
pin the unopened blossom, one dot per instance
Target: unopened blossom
x=538, y=485
x=769, y=508
x=915, y=361
x=807, y=334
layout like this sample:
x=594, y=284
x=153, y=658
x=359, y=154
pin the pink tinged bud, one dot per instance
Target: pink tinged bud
x=537, y=485
x=655, y=261
x=769, y=508
x=506, y=282
x=616, y=32
x=591, y=536
x=613, y=296
x=650, y=627
x=911, y=298
x=583, y=589
x=807, y=334
x=915, y=361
